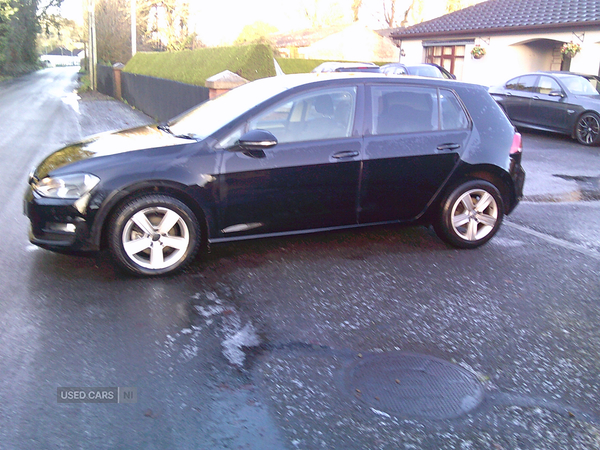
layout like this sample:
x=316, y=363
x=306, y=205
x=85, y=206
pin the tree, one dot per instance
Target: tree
x=392, y=9
x=167, y=26
x=113, y=31
x=356, y=4
x=160, y=24
x=20, y=22
x=256, y=32
x=323, y=13
x=454, y=5
x=60, y=32
x=389, y=12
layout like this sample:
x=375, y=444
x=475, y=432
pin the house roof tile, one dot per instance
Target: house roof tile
x=509, y=15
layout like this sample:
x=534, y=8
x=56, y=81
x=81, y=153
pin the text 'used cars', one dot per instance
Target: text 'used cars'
x=290, y=154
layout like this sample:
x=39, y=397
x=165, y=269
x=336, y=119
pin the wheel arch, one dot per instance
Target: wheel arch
x=173, y=189
x=579, y=116
x=486, y=172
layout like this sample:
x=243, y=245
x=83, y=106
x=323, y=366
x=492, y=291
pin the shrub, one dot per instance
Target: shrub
x=195, y=66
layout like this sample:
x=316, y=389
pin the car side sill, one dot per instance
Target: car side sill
x=308, y=231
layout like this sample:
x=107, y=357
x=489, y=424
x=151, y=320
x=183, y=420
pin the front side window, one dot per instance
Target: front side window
x=404, y=109
x=546, y=85
x=323, y=114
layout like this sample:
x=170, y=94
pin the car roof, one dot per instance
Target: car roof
x=301, y=79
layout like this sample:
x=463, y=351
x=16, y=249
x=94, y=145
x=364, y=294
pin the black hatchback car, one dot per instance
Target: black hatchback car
x=284, y=155
x=562, y=102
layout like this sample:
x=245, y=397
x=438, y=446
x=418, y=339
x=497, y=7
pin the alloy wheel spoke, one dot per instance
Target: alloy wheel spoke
x=468, y=202
x=487, y=220
x=460, y=219
x=168, y=222
x=177, y=243
x=141, y=220
x=137, y=245
x=156, y=256
x=483, y=202
x=472, y=230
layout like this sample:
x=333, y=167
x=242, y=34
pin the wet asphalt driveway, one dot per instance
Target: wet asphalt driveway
x=369, y=339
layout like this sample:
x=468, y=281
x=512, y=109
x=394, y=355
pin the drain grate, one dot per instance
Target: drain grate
x=413, y=385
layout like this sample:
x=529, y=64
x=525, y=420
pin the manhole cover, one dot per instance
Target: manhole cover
x=413, y=385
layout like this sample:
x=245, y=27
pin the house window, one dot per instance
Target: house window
x=451, y=58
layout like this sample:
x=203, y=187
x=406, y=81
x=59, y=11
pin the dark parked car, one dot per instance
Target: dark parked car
x=283, y=155
x=421, y=70
x=561, y=102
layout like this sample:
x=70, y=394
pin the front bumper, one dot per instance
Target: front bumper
x=58, y=224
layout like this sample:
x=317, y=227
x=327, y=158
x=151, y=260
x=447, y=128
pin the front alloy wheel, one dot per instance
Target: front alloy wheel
x=587, y=130
x=470, y=215
x=154, y=235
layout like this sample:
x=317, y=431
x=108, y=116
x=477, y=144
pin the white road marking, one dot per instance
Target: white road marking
x=552, y=240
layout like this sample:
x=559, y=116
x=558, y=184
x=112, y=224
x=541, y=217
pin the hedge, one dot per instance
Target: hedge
x=195, y=66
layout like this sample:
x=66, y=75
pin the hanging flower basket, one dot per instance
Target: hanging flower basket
x=478, y=52
x=570, y=50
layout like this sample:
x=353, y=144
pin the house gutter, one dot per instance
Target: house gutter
x=499, y=30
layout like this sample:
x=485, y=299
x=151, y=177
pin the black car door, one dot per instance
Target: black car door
x=309, y=180
x=517, y=98
x=549, y=108
x=412, y=142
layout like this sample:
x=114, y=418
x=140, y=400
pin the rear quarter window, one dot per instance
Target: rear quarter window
x=453, y=116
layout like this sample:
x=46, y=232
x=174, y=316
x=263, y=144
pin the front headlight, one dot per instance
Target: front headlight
x=67, y=187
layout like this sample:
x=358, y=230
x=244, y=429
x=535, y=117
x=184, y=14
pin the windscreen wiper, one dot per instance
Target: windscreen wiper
x=165, y=127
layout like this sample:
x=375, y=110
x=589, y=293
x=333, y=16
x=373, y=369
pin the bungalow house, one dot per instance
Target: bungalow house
x=516, y=36
x=61, y=56
x=354, y=42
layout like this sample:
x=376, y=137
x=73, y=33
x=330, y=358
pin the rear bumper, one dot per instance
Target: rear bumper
x=517, y=174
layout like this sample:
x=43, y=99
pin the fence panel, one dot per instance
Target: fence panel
x=159, y=98
x=105, y=80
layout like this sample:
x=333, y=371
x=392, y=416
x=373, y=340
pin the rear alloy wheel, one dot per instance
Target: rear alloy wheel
x=470, y=215
x=154, y=235
x=587, y=130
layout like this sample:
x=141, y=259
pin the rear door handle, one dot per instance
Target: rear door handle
x=448, y=146
x=345, y=154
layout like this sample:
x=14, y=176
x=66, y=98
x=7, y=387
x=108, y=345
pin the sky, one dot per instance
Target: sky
x=219, y=23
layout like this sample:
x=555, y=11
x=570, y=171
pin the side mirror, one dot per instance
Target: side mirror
x=256, y=140
x=556, y=94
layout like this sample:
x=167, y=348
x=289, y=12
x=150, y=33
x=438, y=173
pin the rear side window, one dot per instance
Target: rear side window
x=525, y=83
x=400, y=109
x=409, y=109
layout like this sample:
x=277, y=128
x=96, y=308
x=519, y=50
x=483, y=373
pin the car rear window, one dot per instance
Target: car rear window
x=410, y=109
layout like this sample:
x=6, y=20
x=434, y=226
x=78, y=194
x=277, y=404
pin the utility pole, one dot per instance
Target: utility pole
x=133, y=26
x=93, y=54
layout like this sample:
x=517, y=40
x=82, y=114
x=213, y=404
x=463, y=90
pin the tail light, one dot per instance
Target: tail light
x=517, y=145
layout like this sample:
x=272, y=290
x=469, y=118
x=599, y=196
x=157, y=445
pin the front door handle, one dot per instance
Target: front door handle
x=345, y=154
x=448, y=146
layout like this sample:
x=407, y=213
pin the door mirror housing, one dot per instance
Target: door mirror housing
x=556, y=94
x=255, y=140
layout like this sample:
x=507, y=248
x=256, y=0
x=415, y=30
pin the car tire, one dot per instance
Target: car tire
x=587, y=129
x=470, y=214
x=141, y=247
